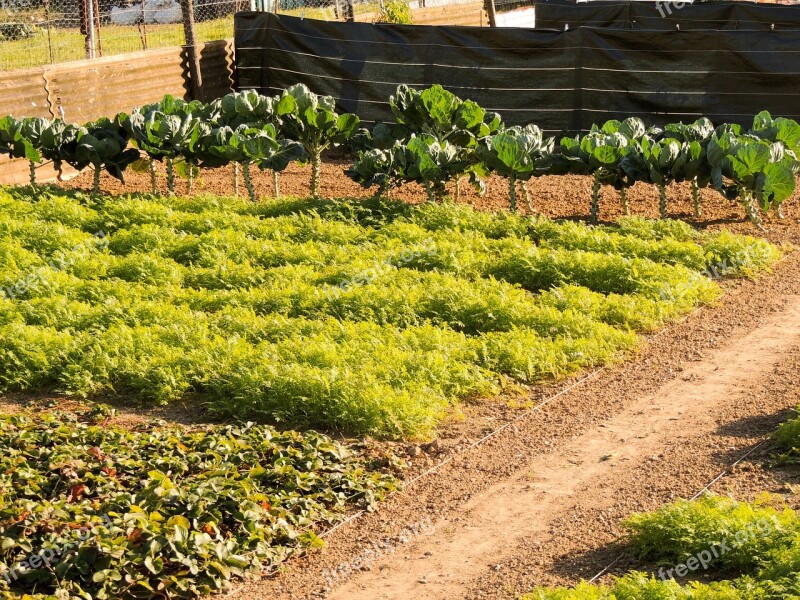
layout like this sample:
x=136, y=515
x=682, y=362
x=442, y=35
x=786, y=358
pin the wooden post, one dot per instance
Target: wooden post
x=491, y=13
x=187, y=8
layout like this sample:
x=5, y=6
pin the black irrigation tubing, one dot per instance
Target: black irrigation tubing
x=723, y=473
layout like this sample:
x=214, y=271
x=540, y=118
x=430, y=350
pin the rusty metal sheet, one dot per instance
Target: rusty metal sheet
x=90, y=89
x=23, y=94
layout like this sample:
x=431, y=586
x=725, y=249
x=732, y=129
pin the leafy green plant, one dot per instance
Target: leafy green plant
x=247, y=145
x=313, y=121
x=250, y=109
x=366, y=317
x=15, y=143
x=656, y=162
x=600, y=155
x=758, y=173
x=453, y=123
x=166, y=512
x=385, y=168
x=692, y=166
x=518, y=154
x=393, y=11
x=165, y=137
x=433, y=163
x=757, y=543
x=168, y=131
x=103, y=145
x=787, y=441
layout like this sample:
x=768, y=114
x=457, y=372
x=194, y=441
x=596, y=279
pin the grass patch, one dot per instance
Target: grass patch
x=369, y=317
x=93, y=510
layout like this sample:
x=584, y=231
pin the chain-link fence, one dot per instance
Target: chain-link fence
x=40, y=32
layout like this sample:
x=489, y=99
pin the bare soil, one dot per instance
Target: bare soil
x=555, y=196
x=541, y=500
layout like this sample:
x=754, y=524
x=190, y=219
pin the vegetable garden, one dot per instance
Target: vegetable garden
x=357, y=318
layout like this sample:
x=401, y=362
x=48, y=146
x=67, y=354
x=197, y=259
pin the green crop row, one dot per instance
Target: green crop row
x=437, y=139
x=93, y=510
x=368, y=317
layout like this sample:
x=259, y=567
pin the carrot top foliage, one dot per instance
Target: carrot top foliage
x=367, y=317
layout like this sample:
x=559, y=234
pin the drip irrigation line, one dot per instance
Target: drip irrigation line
x=707, y=487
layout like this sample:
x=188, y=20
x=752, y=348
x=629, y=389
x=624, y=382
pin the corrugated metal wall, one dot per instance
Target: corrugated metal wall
x=90, y=89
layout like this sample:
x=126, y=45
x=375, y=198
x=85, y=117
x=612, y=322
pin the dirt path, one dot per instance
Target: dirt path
x=487, y=531
x=731, y=369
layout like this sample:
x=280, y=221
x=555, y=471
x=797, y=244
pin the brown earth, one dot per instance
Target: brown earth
x=556, y=196
x=541, y=500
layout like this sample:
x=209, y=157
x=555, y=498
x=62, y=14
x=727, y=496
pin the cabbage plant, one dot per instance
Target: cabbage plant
x=313, y=121
x=517, y=153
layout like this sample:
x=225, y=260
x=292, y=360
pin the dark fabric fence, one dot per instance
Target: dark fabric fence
x=666, y=15
x=560, y=80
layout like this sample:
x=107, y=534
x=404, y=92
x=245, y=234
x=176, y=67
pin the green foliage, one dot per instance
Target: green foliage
x=787, y=441
x=164, y=512
x=681, y=530
x=368, y=317
x=751, y=169
x=757, y=543
x=517, y=153
x=312, y=121
x=394, y=11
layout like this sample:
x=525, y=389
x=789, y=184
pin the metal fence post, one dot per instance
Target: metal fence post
x=88, y=23
x=491, y=12
x=187, y=8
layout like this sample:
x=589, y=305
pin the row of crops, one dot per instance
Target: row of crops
x=437, y=140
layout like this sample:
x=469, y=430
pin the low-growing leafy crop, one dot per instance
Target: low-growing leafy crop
x=93, y=510
x=371, y=318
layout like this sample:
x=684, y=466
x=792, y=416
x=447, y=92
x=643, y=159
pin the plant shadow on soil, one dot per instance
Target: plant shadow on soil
x=615, y=556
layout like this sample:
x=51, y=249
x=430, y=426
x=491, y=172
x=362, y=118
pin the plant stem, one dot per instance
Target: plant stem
x=191, y=177
x=429, y=192
x=96, y=181
x=153, y=180
x=275, y=190
x=623, y=198
x=662, y=200
x=170, y=177
x=527, y=195
x=248, y=182
x=236, y=179
x=594, y=210
x=753, y=212
x=512, y=193
x=315, y=164
x=439, y=191
x=698, y=210
x=458, y=189
x=32, y=166
x=779, y=210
